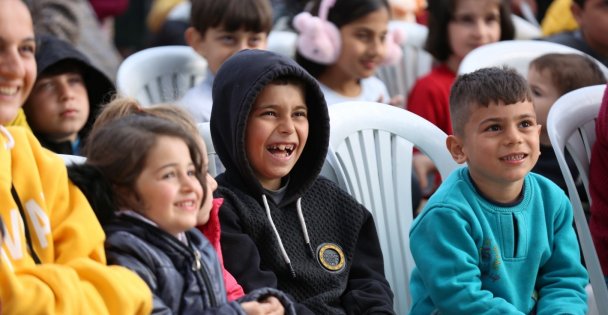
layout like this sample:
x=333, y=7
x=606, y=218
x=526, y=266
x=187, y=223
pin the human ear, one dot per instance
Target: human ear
x=194, y=39
x=576, y=12
x=454, y=145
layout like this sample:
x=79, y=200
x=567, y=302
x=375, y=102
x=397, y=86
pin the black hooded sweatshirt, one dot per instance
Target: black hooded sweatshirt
x=340, y=270
x=52, y=56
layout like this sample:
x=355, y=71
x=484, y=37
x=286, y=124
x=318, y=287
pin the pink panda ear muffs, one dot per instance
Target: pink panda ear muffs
x=393, y=41
x=319, y=39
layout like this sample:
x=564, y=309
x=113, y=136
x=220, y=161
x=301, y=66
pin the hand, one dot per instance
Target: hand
x=269, y=306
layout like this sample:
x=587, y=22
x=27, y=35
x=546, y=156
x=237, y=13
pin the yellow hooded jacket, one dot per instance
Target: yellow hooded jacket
x=72, y=277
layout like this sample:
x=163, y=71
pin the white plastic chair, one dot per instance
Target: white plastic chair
x=72, y=159
x=160, y=74
x=370, y=157
x=514, y=53
x=416, y=61
x=524, y=29
x=283, y=42
x=215, y=165
x=571, y=125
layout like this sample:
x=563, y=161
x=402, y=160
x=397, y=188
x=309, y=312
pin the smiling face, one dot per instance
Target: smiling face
x=17, y=60
x=58, y=106
x=363, y=47
x=277, y=130
x=500, y=145
x=474, y=23
x=217, y=44
x=167, y=188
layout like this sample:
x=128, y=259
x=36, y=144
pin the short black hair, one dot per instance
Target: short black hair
x=484, y=87
x=231, y=15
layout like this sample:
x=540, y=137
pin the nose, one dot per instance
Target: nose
x=286, y=125
x=11, y=65
x=377, y=46
x=65, y=90
x=513, y=136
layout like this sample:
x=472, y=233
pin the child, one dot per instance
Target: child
x=345, y=65
x=495, y=237
x=455, y=28
x=210, y=228
x=598, y=182
x=590, y=38
x=66, y=96
x=156, y=174
x=52, y=259
x=300, y=233
x=549, y=77
x=219, y=29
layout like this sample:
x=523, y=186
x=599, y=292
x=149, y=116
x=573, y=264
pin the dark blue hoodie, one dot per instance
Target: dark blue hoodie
x=340, y=269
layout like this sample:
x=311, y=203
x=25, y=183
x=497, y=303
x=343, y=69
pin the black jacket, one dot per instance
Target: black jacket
x=341, y=271
x=184, y=279
x=52, y=56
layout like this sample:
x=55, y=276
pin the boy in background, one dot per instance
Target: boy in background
x=550, y=76
x=300, y=232
x=220, y=28
x=496, y=236
x=66, y=97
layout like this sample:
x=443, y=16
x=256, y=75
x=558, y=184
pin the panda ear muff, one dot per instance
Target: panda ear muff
x=319, y=40
x=393, y=43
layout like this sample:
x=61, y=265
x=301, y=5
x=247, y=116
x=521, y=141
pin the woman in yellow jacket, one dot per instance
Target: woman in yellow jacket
x=52, y=258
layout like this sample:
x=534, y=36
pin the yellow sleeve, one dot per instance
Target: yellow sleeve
x=73, y=277
x=20, y=120
x=558, y=18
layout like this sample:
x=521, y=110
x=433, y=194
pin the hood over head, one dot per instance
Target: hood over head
x=236, y=86
x=53, y=53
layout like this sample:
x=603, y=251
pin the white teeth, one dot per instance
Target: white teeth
x=185, y=204
x=8, y=90
x=515, y=157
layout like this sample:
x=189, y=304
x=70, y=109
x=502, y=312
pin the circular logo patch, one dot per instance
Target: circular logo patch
x=331, y=257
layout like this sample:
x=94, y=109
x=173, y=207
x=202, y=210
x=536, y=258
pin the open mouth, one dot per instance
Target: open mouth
x=281, y=150
x=185, y=204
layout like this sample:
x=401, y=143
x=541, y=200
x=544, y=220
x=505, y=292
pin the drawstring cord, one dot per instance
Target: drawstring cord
x=276, y=233
x=9, y=138
x=304, y=229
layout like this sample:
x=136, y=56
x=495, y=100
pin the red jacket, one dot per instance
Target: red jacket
x=212, y=231
x=430, y=97
x=598, y=186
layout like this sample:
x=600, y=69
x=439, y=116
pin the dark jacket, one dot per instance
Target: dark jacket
x=52, y=56
x=184, y=279
x=341, y=269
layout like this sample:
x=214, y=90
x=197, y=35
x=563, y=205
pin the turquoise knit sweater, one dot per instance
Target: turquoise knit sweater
x=474, y=256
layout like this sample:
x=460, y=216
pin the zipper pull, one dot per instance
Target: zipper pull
x=197, y=260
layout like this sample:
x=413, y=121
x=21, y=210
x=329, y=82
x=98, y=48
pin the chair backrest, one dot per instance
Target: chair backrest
x=283, y=42
x=416, y=61
x=370, y=157
x=215, y=165
x=72, y=159
x=514, y=53
x=524, y=29
x=571, y=126
x=160, y=74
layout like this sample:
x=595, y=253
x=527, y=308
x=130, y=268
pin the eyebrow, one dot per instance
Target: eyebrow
x=494, y=119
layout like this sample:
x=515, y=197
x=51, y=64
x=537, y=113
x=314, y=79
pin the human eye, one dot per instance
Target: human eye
x=268, y=113
x=45, y=85
x=75, y=79
x=301, y=113
x=169, y=175
x=255, y=41
x=362, y=35
x=492, y=18
x=27, y=49
x=493, y=128
x=228, y=39
x=464, y=19
x=527, y=123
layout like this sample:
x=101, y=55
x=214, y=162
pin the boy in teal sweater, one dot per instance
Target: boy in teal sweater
x=496, y=238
